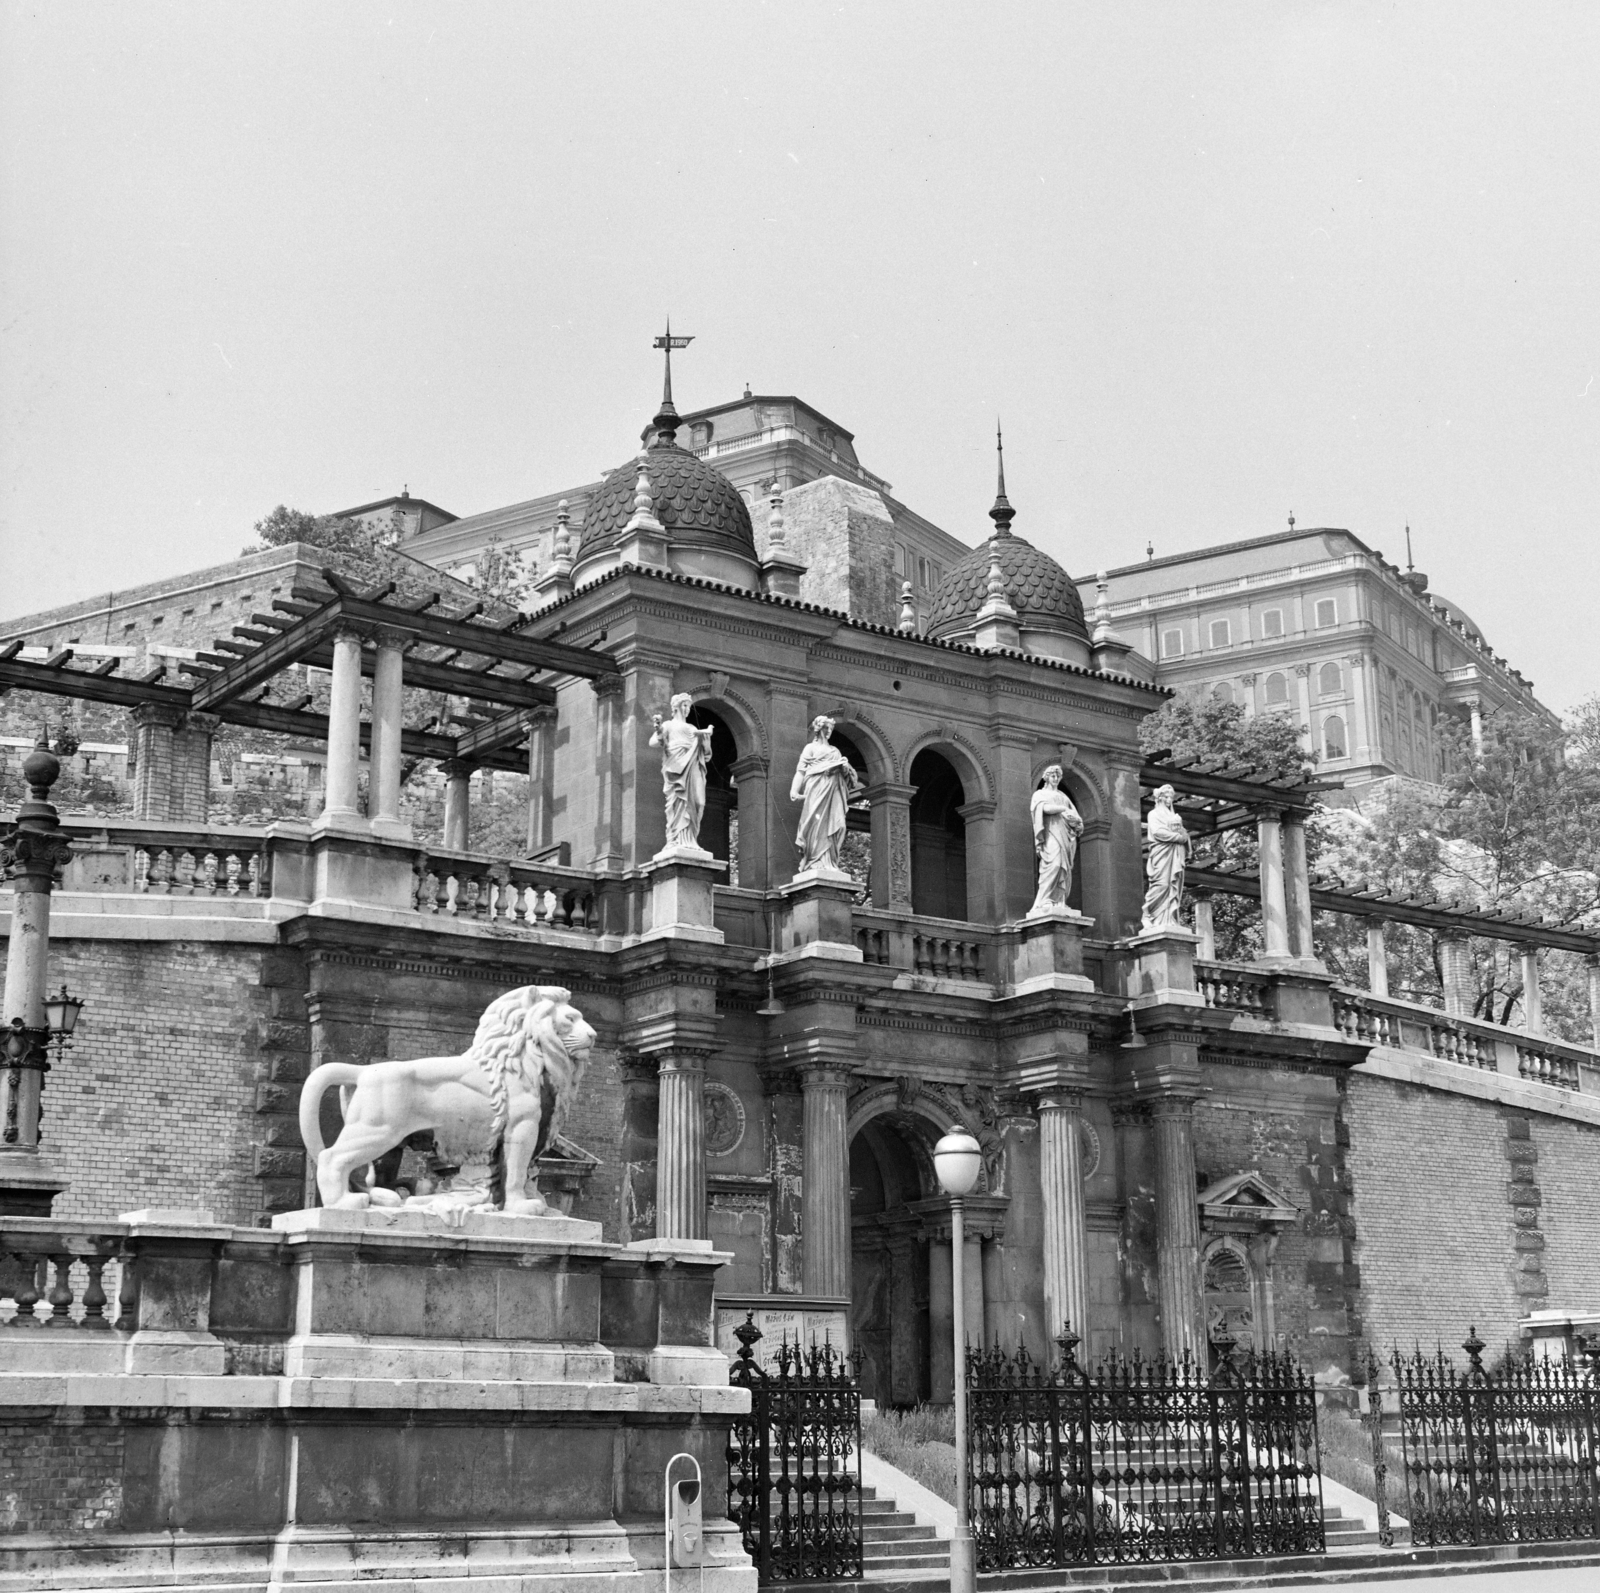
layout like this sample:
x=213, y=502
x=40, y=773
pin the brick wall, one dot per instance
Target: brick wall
x=1434, y=1227
x=156, y=1102
x=1569, y=1182
x=60, y=1477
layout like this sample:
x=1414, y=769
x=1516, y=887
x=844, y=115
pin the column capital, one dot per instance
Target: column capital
x=607, y=685
x=205, y=724
x=1169, y=1108
x=34, y=856
x=389, y=636
x=824, y=1075
x=683, y=1059
x=545, y=714
x=888, y=791
x=458, y=768
x=780, y=1081
x=1057, y=1100
x=358, y=631
x=159, y=713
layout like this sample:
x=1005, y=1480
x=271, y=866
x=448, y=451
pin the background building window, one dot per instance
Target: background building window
x=1171, y=644
x=1329, y=681
x=1333, y=743
x=1272, y=622
x=1221, y=633
x=1327, y=612
x=1277, y=688
x=922, y=573
x=1222, y=691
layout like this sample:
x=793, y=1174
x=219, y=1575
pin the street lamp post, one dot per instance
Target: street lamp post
x=31, y=852
x=957, y=1159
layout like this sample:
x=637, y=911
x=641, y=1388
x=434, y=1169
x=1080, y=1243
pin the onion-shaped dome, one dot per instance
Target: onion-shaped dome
x=696, y=503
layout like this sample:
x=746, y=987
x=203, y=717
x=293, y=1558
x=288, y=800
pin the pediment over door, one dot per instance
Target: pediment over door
x=1246, y=1203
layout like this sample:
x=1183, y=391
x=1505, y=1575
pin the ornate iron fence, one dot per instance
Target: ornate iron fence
x=794, y=1466
x=1140, y=1460
x=1502, y=1456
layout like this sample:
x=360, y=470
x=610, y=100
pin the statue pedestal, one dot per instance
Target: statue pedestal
x=816, y=915
x=682, y=903
x=1158, y=968
x=1044, y=951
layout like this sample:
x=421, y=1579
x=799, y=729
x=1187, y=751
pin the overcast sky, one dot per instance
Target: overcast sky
x=1211, y=263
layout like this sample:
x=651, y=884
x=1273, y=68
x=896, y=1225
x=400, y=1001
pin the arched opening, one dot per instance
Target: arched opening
x=855, y=856
x=1333, y=742
x=719, y=828
x=890, y=1170
x=1277, y=688
x=938, y=838
x=1329, y=681
x=1229, y=1300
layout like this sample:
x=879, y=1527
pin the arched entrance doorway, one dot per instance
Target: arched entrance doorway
x=891, y=1169
x=938, y=838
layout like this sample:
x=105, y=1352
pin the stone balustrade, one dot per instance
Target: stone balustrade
x=152, y=858
x=1234, y=987
x=65, y=1275
x=475, y=887
x=937, y=948
x=1470, y=1042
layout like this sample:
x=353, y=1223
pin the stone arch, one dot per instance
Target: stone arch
x=1083, y=783
x=868, y=735
x=741, y=717
x=880, y=1100
x=968, y=762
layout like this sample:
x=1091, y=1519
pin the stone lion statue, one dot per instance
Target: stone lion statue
x=507, y=1095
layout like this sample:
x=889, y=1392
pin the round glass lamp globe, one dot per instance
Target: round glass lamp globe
x=958, y=1159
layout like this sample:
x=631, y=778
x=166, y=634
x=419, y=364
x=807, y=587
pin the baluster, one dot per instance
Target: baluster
x=28, y=1281
x=582, y=911
x=205, y=875
x=94, y=1295
x=158, y=881
x=539, y=906
x=60, y=1290
x=450, y=893
x=127, y=1293
x=141, y=870
x=183, y=874
x=260, y=874
x=519, y=903
x=232, y=875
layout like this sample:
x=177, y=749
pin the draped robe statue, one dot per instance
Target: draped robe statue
x=823, y=783
x=685, y=752
x=1169, y=849
x=1057, y=825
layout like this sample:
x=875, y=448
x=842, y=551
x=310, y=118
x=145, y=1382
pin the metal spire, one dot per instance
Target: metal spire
x=666, y=419
x=1002, y=514
x=1409, y=565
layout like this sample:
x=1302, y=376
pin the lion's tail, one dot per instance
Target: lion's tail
x=321, y=1080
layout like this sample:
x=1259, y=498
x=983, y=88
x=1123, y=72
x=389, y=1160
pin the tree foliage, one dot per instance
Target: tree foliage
x=330, y=531
x=503, y=573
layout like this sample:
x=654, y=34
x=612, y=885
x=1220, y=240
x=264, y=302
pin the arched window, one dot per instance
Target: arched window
x=1222, y=691
x=938, y=838
x=1277, y=688
x=1330, y=682
x=1333, y=742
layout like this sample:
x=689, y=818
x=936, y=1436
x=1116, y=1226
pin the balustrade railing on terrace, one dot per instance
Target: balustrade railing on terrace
x=144, y=858
x=474, y=887
x=1471, y=1042
x=1234, y=988
x=940, y=948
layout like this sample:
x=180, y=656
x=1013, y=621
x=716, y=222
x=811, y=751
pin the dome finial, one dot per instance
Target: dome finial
x=666, y=418
x=1002, y=514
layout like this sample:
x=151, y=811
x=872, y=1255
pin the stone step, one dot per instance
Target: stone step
x=887, y=1560
x=907, y=1534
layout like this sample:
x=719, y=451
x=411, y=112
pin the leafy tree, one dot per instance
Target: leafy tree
x=328, y=531
x=503, y=573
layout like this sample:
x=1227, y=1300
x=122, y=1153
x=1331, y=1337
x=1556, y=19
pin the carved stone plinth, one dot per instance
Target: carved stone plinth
x=817, y=914
x=349, y=865
x=683, y=884
x=1158, y=968
x=1044, y=951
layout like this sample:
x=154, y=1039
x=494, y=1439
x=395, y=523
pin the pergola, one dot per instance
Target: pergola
x=396, y=640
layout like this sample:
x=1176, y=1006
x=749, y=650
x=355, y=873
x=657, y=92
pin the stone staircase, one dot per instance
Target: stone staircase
x=894, y=1547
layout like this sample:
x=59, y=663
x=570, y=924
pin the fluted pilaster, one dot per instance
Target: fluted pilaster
x=825, y=1186
x=1066, y=1269
x=1177, y=1228
x=681, y=1147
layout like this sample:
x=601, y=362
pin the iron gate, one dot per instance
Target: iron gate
x=1502, y=1456
x=794, y=1463
x=1139, y=1459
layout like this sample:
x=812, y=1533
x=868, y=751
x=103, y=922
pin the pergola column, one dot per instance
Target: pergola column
x=1274, y=905
x=1532, y=999
x=457, y=774
x=154, y=728
x=541, y=777
x=1205, y=926
x=1177, y=1227
x=1066, y=1262
x=891, y=845
x=388, y=716
x=342, y=798
x=1377, y=959
x=1455, y=963
x=825, y=1181
x=1297, y=887
x=681, y=1146
x=189, y=795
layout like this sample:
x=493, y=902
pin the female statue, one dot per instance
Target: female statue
x=686, y=751
x=1057, y=825
x=1169, y=846
x=824, y=782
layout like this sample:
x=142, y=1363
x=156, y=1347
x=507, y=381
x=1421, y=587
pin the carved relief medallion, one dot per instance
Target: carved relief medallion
x=1088, y=1147
x=724, y=1120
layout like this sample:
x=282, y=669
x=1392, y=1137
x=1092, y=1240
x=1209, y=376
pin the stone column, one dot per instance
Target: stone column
x=189, y=797
x=31, y=856
x=1532, y=1000
x=825, y=1186
x=1252, y=701
x=941, y=1321
x=1177, y=1227
x=1377, y=959
x=891, y=846
x=1303, y=692
x=541, y=777
x=609, y=693
x=1297, y=887
x=1455, y=966
x=1274, y=906
x=1476, y=710
x=1205, y=926
x=681, y=1147
x=1360, y=731
x=388, y=717
x=154, y=727
x=342, y=801
x=457, y=774
x=1066, y=1262
x=751, y=782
